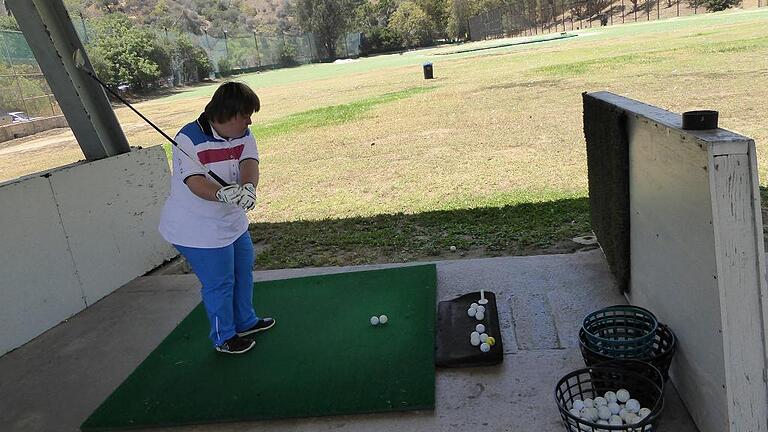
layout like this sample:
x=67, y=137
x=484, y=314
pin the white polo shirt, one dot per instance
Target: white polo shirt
x=188, y=220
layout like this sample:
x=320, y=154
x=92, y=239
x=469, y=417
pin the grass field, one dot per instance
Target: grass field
x=368, y=162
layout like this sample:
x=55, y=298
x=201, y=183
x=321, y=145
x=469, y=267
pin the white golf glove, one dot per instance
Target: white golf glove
x=247, y=197
x=229, y=194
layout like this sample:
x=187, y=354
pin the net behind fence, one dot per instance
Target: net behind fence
x=532, y=18
x=23, y=87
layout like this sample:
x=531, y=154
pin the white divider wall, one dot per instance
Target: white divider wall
x=71, y=236
x=697, y=261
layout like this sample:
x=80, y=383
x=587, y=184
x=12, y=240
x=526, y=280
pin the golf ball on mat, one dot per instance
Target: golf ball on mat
x=374, y=320
x=474, y=341
x=383, y=319
x=480, y=316
x=484, y=337
x=480, y=328
x=484, y=347
x=472, y=312
x=491, y=341
x=473, y=306
x=481, y=309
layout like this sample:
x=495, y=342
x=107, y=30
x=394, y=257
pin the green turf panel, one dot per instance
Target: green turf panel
x=322, y=358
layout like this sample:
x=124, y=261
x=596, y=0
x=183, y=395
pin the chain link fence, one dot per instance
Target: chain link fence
x=532, y=18
x=23, y=87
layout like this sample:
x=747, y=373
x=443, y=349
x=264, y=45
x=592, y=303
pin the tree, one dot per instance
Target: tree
x=411, y=23
x=124, y=54
x=327, y=19
x=437, y=12
x=457, y=25
x=718, y=5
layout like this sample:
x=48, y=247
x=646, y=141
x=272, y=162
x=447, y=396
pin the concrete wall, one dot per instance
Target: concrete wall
x=697, y=261
x=71, y=236
x=18, y=130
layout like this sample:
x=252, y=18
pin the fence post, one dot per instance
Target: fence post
x=678, y=7
x=658, y=10
x=623, y=11
x=256, y=43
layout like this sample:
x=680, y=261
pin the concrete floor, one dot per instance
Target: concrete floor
x=54, y=382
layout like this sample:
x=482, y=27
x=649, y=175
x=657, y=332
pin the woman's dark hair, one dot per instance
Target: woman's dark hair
x=229, y=100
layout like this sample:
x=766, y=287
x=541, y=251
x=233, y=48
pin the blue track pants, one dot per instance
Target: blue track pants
x=227, y=291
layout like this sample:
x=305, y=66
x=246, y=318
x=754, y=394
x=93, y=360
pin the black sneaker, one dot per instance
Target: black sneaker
x=236, y=345
x=261, y=325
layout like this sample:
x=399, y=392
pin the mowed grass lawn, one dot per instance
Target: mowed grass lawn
x=368, y=162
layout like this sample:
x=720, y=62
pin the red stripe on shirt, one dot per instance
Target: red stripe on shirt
x=218, y=155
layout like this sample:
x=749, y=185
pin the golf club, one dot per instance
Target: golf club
x=79, y=60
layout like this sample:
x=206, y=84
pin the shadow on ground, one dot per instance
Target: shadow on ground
x=519, y=229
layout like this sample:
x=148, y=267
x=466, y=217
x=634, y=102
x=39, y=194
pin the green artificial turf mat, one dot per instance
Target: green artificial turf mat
x=322, y=358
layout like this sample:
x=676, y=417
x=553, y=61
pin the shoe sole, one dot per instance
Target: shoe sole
x=274, y=321
x=253, y=344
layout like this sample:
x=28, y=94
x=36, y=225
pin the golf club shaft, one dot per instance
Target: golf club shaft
x=171, y=140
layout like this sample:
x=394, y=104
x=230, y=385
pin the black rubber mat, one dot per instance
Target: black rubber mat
x=454, y=326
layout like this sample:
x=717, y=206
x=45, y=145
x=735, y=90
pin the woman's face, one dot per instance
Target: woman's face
x=234, y=127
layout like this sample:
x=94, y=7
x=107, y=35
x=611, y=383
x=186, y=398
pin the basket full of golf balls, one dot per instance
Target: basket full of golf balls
x=606, y=398
x=621, y=331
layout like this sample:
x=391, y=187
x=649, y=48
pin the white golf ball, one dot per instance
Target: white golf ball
x=600, y=401
x=472, y=312
x=603, y=412
x=643, y=413
x=589, y=403
x=473, y=306
x=610, y=396
x=632, y=405
x=383, y=319
x=578, y=404
x=615, y=421
x=474, y=335
x=625, y=415
x=591, y=414
x=452, y=248
x=622, y=395
x=480, y=328
x=484, y=347
x=614, y=407
x=484, y=337
x=474, y=341
x=480, y=316
x=481, y=309
x=575, y=412
x=374, y=320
